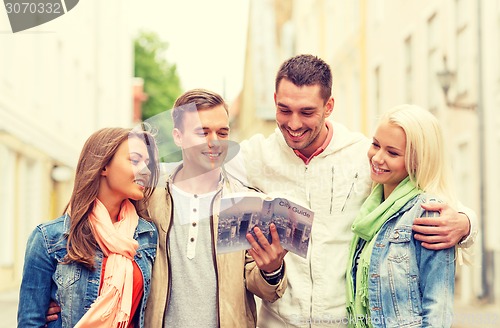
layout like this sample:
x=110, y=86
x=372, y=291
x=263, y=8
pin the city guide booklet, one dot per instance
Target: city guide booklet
x=240, y=212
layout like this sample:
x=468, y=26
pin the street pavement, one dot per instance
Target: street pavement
x=466, y=316
x=476, y=315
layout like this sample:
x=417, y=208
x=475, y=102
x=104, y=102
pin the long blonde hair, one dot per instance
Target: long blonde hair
x=427, y=162
x=97, y=152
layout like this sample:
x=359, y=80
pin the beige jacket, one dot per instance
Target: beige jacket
x=238, y=277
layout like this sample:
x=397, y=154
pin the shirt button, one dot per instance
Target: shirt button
x=195, y=196
x=192, y=239
x=194, y=210
x=194, y=224
x=396, y=235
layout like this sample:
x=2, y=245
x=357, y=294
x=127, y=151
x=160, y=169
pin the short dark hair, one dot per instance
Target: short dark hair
x=201, y=98
x=307, y=70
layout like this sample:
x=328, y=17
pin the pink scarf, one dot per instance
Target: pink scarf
x=113, y=305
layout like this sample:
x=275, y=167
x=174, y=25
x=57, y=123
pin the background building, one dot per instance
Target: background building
x=59, y=82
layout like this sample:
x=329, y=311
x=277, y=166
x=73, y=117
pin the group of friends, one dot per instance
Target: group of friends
x=136, y=245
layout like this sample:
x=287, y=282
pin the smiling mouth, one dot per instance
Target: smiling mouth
x=141, y=183
x=378, y=170
x=213, y=156
x=296, y=135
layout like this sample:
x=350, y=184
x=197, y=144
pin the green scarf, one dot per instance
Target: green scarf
x=372, y=215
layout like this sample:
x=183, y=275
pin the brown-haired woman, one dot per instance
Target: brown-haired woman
x=96, y=259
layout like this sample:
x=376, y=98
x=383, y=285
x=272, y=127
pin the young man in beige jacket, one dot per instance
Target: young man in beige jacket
x=192, y=286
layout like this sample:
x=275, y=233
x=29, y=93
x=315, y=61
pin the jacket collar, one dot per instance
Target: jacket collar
x=171, y=177
x=67, y=222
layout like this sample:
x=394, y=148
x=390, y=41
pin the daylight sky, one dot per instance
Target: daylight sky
x=206, y=39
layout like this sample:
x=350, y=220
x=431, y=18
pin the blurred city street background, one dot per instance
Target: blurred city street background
x=119, y=62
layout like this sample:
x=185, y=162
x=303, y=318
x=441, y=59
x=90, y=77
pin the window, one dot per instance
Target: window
x=264, y=52
x=377, y=90
x=463, y=178
x=7, y=62
x=408, y=70
x=379, y=11
x=7, y=203
x=434, y=63
x=464, y=45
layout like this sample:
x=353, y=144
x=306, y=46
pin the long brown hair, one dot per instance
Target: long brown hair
x=97, y=152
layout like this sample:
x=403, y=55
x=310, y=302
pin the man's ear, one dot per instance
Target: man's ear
x=177, y=134
x=329, y=107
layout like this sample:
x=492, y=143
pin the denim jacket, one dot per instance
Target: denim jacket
x=73, y=286
x=409, y=285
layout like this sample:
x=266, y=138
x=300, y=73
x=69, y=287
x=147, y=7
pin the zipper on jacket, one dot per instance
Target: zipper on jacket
x=214, y=253
x=331, y=191
x=167, y=248
x=350, y=191
x=312, y=283
x=308, y=191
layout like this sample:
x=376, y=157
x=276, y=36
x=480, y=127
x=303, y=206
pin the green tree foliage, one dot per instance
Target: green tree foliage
x=161, y=81
x=161, y=84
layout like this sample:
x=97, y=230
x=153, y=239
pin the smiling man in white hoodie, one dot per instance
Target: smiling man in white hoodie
x=322, y=163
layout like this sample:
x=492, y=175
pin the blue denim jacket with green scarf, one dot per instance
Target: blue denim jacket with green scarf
x=408, y=285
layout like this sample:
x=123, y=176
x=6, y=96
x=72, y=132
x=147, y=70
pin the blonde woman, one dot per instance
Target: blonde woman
x=392, y=281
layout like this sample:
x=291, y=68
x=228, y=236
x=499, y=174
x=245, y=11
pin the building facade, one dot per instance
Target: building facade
x=59, y=82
